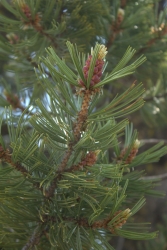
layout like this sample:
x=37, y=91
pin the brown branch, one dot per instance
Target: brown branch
x=35, y=65
x=115, y=31
x=34, y=21
x=120, y=243
x=82, y=115
x=15, y=102
x=89, y=160
x=123, y=3
x=4, y=129
x=145, y=141
x=160, y=33
x=49, y=37
x=155, y=177
x=33, y=240
x=149, y=44
x=78, y=127
x=115, y=27
x=82, y=222
x=121, y=219
x=5, y=156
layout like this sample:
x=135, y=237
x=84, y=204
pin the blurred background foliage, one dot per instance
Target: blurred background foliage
x=141, y=24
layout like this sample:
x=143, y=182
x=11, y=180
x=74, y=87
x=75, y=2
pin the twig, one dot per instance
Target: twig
x=155, y=177
x=35, y=65
x=5, y=156
x=148, y=141
x=5, y=131
x=123, y=3
x=120, y=243
x=50, y=38
x=115, y=30
x=78, y=127
x=104, y=223
x=34, y=240
x=35, y=22
x=152, y=41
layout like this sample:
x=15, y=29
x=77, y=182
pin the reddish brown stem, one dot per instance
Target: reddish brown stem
x=115, y=30
x=81, y=119
x=35, y=65
x=152, y=41
x=82, y=115
x=50, y=192
x=33, y=241
x=83, y=222
x=123, y=3
x=6, y=157
x=50, y=38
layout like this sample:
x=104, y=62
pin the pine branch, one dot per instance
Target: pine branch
x=5, y=156
x=160, y=34
x=35, y=22
x=35, y=65
x=5, y=131
x=83, y=193
x=118, y=219
x=89, y=160
x=33, y=241
x=78, y=127
x=13, y=100
x=82, y=115
x=116, y=27
x=49, y=37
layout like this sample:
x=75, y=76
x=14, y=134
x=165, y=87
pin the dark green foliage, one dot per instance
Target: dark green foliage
x=67, y=179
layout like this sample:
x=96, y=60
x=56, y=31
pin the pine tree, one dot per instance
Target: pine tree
x=69, y=154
